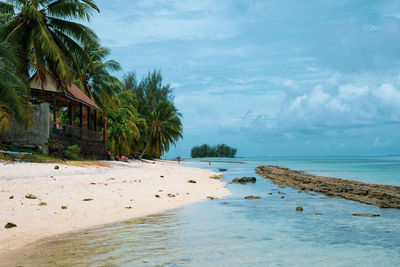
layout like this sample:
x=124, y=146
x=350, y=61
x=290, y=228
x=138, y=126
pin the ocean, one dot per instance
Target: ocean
x=234, y=231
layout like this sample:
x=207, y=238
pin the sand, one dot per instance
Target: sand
x=120, y=192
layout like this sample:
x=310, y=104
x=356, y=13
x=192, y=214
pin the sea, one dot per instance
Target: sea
x=233, y=231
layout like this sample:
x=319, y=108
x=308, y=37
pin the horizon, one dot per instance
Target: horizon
x=268, y=78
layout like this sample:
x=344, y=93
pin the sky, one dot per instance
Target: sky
x=271, y=78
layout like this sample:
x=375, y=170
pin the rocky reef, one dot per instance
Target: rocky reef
x=383, y=196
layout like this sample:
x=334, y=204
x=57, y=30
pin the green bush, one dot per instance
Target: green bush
x=72, y=152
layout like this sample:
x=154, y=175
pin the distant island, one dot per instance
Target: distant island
x=221, y=150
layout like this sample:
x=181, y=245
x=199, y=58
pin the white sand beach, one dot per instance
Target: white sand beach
x=119, y=192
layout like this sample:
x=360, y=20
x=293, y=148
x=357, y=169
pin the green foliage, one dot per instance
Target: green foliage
x=221, y=150
x=47, y=36
x=72, y=152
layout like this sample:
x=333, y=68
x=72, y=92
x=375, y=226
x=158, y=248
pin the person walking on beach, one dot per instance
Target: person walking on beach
x=179, y=159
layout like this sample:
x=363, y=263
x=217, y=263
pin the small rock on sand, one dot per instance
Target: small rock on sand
x=171, y=195
x=10, y=225
x=212, y=198
x=30, y=196
x=157, y=196
x=87, y=199
x=192, y=181
x=63, y=207
x=42, y=204
x=56, y=167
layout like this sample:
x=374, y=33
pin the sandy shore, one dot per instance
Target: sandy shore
x=122, y=191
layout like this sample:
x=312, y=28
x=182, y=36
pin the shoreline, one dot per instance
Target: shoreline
x=382, y=196
x=92, y=196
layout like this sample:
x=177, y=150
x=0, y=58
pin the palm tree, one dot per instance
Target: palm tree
x=165, y=129
x=95, y=79
x=13, y=91
x=48, y=38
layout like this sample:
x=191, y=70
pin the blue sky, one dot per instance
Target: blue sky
x=271, y=78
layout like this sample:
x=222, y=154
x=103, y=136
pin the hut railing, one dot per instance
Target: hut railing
x=82, y=133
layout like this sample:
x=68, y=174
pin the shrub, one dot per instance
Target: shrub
x=72, y=152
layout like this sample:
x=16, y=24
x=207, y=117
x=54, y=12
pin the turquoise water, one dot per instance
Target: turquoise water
x=236, y=232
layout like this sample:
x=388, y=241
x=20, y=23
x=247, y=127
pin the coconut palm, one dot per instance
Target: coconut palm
x=48, y=37
x=95, y=78
x=13, y=90
x=165, y=129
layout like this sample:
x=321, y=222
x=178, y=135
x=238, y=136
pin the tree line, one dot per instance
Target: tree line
x=206, y=150
x=40, y=36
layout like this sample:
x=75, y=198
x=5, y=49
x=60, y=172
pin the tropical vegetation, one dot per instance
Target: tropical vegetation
x=40, y=36
x=206, y=150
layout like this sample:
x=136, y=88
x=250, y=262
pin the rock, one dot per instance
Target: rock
x=92, y=183
x=162, y=176
x=42, y=204
x=318, y=213
x=10, y=225
x=222, y=170
x=157, y=196
x=365, y=214
x=160, y=190
x=383, y=196
x=129, y=207
x=11, y=197
x=299, y=208
x=270, y=194
x=63, y=207
x=282, y=197
x=252, y=197
x=192, y=181
x=171, y=195
x=87, y=199
x=30, y=196
x=212, y=198
x=56, y=167
x=244, y=180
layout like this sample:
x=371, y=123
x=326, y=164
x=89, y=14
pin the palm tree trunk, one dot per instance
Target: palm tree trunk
x=141, y=154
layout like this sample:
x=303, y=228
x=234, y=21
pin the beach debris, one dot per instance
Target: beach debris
x=162, y=176
x=192, y=181
x=299, y=208
x=87, y=199
x=160, y=190
x=30, y=196
x=92, y=183
x=56, y=167
x=252, y=197
x=157, y=196
x=10, y=225
x=244, y=180
x=212, y=198
x=171, y=195
x=222, y=170
x=128, y=207
x=11, y=197
x=64, y=207
x=217, y=176
x=368, y=214
x=319, y=214
x=42, y=204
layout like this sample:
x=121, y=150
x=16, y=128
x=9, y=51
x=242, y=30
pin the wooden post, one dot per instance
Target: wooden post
x=88, y=118
x=70, y=115
x=80, y=115
x=105, y=131
x=54, y=113
x=95, y=120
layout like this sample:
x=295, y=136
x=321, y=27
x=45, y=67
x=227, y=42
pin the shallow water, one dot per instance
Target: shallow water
x=238, y=232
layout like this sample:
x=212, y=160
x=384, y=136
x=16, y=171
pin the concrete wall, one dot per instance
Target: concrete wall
x=37, y=134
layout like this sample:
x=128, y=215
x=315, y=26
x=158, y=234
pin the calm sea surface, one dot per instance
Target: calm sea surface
x=236, y=232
